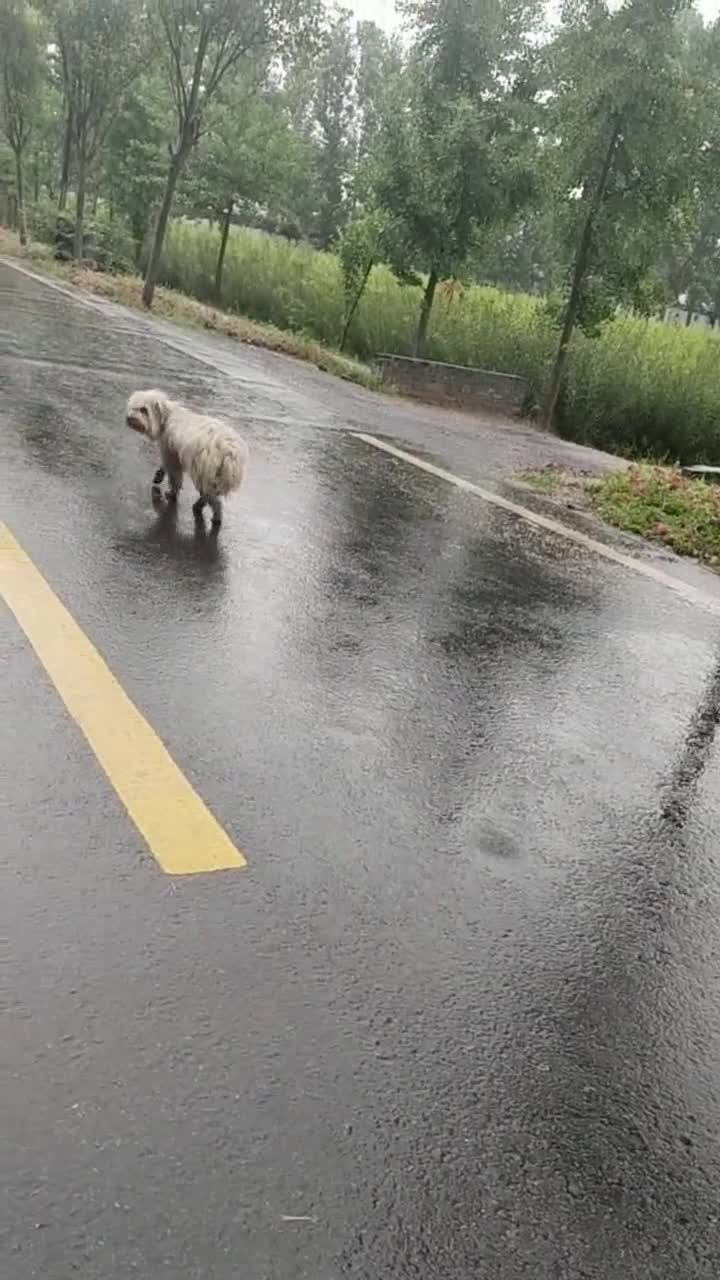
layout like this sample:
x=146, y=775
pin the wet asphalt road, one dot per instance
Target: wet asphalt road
x=460, y=1017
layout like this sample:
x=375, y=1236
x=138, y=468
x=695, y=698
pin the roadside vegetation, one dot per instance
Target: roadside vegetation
x=488, y=188
x=126, y=288
x=655, y=502
x=637, y=387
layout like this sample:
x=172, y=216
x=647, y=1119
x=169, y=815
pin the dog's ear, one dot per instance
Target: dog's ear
x=159, y=408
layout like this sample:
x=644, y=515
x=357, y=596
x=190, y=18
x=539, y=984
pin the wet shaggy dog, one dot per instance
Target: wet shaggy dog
x=210, y=452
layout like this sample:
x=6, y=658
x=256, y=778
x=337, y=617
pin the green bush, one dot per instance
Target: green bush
x=41, y=219
x=116, y=248
x=639, y=387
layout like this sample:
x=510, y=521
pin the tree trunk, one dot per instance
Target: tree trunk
x=187, y=138
x=221, y=252
x=581, y=263
x=20, y=186
x=354, y=304
x=425, y=309
x=66, y=160
x=153, y=267
x=36, y=179
x=79, y=207
x=690, y=304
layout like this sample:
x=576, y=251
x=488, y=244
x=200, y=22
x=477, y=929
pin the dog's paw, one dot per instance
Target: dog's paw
x=171, y=495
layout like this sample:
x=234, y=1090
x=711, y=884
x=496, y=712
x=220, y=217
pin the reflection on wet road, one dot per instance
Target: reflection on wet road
x=460, y=1017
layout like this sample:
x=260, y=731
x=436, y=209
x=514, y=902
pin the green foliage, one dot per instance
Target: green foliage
x=359, y=248
x=637, y=387
x=7, y=164
x=42, y=220
x=113, y=236
x=645, y=388
x=135, y=154
x=21, y=59
x=116, y=246
x=378, y=64
x=21, y=65
x=451, y=157
x=250, y=158
x=623, y=96
x=334, y=120
x=267, y=278
x=663, y=504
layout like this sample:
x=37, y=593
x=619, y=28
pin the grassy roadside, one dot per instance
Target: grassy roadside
x=185, y=311
x=658, y=503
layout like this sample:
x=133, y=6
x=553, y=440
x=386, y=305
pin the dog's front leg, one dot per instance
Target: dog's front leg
x=175, y=480
x=174, y=474
x=157, y=481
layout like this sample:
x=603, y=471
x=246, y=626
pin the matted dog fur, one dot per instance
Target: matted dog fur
x=194, y=444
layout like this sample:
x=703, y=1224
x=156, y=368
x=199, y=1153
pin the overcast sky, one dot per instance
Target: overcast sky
x=383, y=11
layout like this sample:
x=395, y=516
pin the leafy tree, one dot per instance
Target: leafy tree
x=361, y=244
x=46, y=140
x=524, y=251
x=336, y=100
x=451, y=159
x=627, y=143
x=334, y=110
x=205, y=41
x=98, y=52
x=690, y=257
x=20, y=75
x=250, y=159
x=378, y=64
x=136, y=152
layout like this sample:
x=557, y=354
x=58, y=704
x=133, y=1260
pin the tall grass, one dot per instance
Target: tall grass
x=646, y=388
x=639, y=387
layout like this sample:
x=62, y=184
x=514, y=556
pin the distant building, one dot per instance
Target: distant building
x=679, y=316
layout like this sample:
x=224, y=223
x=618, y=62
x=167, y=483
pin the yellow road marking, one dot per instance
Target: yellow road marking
x=182, y=834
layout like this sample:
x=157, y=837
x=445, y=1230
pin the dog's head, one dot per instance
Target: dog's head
x=147, y=412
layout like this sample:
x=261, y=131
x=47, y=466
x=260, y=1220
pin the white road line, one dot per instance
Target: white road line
x=690, y=594
x=73, y=292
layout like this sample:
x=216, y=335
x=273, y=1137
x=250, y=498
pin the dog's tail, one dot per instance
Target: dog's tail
x=231, y=471
x=220, y=468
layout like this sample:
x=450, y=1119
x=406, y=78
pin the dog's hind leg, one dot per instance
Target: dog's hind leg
x=215, y=506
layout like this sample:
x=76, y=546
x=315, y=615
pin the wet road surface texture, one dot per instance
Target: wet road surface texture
x=460, y=1015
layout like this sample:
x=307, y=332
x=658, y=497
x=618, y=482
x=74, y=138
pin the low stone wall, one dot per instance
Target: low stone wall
x=456, y=384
